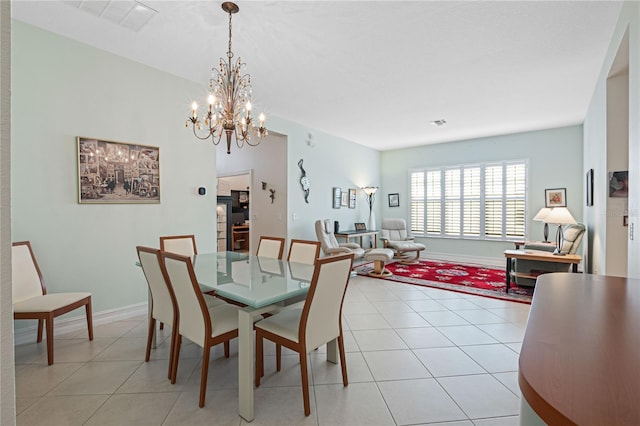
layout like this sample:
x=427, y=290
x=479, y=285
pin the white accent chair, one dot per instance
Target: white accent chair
x=318, y=322
x=180, y=244
x=272, y=247
x=31, y=300
x=329, y=243
x=396, y=236
x=204, y=326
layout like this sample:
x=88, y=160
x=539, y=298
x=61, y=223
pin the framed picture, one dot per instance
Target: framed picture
x=344, y=198
x=337, y=197
x=589, y=197
x=352, y=198
x=360, y=226
x=619, y=184
x=117, y=172
x=556, y=197
x=394, y=200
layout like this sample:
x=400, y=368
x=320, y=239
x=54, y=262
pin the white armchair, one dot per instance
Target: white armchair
x=329, y=243
x=396, y=236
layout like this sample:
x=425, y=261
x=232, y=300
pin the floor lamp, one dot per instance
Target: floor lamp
x=559, y=216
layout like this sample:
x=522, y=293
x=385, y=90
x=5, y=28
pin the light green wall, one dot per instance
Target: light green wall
x=62, y=89
x=555, y=161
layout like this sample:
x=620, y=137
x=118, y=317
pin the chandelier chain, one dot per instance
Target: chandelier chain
x=230, y=53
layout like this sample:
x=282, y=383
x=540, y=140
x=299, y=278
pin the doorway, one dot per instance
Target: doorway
x=238, y=188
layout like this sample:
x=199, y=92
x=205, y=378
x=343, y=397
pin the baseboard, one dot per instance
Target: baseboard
x=460, y=258
x=79, y=322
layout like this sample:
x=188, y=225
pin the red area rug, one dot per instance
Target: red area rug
x=470, y=279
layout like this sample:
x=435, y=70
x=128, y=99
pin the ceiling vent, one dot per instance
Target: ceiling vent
x=438, y=123
x=132, y=15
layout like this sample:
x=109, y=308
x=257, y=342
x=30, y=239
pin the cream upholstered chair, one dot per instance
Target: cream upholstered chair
x=318, y=322
x=329, y=243
x=162, y=297
x=303, y=251
x=180, y=244
x=395, y=235
x=271, y=247
x=31, y=300
x=204, y=326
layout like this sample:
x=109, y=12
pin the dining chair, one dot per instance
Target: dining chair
x=31, y=300
x=303, y=251
x=180, y=244
x=318, y=322
x=204, y=326
x=271, y=247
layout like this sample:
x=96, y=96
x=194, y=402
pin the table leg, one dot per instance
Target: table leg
x=575, y=268
x=508, y=273
x=245, y=364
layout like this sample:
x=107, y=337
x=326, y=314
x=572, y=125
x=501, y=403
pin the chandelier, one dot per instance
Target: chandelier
x=229, y=102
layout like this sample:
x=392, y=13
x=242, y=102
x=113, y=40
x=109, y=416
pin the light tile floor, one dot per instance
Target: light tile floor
x=416, y=355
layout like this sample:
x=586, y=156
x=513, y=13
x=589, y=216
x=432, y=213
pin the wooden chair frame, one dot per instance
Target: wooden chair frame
x=278, y=239
x=178, y=237
x=48, y=317
x=306, y=242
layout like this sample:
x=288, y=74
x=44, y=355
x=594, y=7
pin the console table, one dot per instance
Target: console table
x=240, y=234
x=580, y=357
x=543, y=256
x=355, y=234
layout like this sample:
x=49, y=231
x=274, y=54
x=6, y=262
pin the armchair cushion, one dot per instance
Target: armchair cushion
x=394, y=230
x=329, y=243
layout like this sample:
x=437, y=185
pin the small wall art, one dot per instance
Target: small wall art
x=117, y=172
x=394, y=200
x=619, y=184
x=556, y=197
x=344, y=198
x=352, y=198
x=337, y=197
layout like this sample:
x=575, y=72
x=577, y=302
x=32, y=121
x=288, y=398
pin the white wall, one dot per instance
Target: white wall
x=266, y=163
x=7, y=367
x=595, y=137
x=62, y=89
x=617, y=160
x=555, y=161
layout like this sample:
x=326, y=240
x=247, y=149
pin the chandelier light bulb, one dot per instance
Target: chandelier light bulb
x=248, y=106
x=212, y=99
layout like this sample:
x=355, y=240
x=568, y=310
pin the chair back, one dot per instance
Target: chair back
x=321, y=319
x=194, y=319
x=394, y=230
x=324, y=232
x=571, y=238
x=180, y=244
x=162, y=297
x=304, y=251
x=26, y=278
x=272, y=247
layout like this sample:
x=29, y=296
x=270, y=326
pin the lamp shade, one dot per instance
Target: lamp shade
x=370, y=190
x=559, y=216
x=544, y=212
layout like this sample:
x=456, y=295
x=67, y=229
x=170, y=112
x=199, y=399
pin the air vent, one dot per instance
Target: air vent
x=129, y=14
x=438, y=123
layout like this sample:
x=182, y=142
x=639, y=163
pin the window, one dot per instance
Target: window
x=479, y=201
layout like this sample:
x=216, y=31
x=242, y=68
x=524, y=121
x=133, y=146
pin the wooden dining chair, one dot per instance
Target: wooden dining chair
x=318, y=322
x=31, y=300
x=303, y=251
x=162, y=298
x=271, y=247
x=180, y=244
x=204, y=326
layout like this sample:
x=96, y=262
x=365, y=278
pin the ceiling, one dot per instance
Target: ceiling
x=375, y=72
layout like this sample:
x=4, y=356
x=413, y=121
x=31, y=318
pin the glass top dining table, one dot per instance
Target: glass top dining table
x=263, y=285
x=251, y=280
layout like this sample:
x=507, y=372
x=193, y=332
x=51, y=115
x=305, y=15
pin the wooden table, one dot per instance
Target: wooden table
x=543, y=256
x=355, y=234
x=240, y=234
x=580, y=358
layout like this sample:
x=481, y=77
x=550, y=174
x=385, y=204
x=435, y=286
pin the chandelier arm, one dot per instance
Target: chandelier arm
x=211, y=134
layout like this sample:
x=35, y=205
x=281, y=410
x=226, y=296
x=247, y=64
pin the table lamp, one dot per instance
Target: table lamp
x=559, y=216
x=544, y=212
